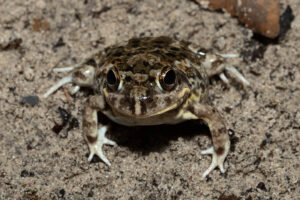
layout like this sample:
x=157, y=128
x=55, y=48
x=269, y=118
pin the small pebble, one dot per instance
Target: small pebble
x=29, y=74
x=261, y=186
x=31, y=100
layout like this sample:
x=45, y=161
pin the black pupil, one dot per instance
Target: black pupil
x=170, y=77
x=111, y=78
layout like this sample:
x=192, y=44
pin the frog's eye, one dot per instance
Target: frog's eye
x=167, y=79
x=113, y=79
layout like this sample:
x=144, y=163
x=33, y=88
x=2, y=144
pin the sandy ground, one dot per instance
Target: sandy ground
x=153, y=163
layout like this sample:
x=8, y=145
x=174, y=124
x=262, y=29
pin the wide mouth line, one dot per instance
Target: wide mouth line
x=182, y=96
x=141, y=116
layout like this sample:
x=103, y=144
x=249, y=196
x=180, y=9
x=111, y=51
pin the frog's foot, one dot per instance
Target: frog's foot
x=81, y=75
x=217, y=161
x=215, y=65
x=96, y=148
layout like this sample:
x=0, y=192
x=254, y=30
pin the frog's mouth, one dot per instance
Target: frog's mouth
x=136, y=108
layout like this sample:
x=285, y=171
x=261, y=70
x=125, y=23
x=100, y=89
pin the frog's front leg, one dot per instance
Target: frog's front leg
x=220, y=137
x=94, y=132
x=82, y=75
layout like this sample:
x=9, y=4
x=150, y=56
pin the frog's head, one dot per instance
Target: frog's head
x=140, y=94
x=146, y=81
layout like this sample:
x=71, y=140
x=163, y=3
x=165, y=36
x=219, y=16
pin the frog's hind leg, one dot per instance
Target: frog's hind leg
x=81, y=74
x=214, y=65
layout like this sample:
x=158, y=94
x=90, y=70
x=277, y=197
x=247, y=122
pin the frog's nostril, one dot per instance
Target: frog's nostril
x=128, y=78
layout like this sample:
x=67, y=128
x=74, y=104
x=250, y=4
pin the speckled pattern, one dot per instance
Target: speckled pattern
x=162, y=162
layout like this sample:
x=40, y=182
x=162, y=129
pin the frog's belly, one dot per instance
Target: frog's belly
x=147, y=121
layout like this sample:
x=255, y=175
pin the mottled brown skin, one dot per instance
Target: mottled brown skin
x=151, y=81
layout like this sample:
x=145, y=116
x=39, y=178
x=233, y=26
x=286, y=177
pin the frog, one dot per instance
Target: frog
x=149, y=81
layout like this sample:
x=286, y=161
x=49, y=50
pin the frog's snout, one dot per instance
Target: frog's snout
x=139, y=96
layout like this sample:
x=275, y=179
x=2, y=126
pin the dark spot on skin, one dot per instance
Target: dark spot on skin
x=117, y=54
x=168, y=100
x=216, y=64
x=145, y=63
x=159, y=52
x=201, y=86
x=132, y=106
x=171, y=55
x=158, y=46
x=220, y=150
x=127, y=103
x=138, y=68
x=183, y=55
x=143, y=107
x=113, y=100
x=222, y=130
x=79, y=75
x=141, y=49
x=174, y=49
x=91, y=139
x=131, y=53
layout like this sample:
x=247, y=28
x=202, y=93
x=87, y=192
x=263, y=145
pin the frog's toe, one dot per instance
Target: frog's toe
x=75, y=89
x=64, y=69
x=217, y=161
x=63, y=81
x=234, y=72
x=96, y=148
x=224, y=79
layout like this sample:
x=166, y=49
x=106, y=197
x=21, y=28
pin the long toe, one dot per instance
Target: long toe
x=217, y=161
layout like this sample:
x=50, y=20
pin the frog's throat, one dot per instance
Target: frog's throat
x=183, y=92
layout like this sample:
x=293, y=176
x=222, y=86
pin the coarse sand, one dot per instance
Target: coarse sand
x=161, y=162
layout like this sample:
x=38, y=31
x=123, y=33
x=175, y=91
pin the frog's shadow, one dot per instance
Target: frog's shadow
x=147, y=139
